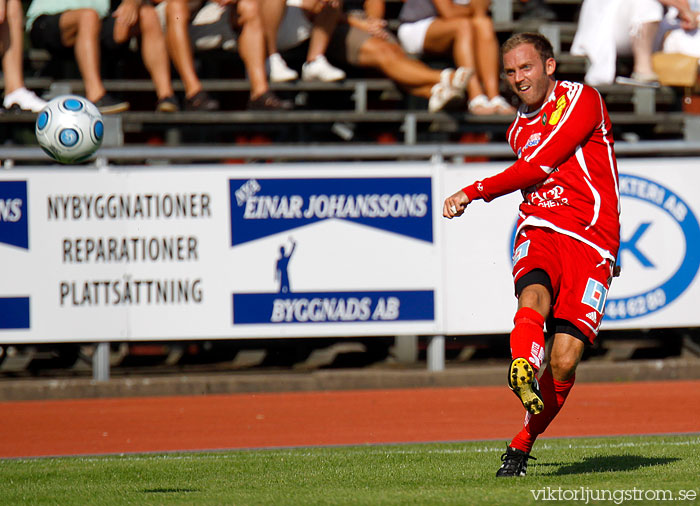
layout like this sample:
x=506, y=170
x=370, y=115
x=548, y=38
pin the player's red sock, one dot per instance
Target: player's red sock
x=554, y=394
x=527, y=337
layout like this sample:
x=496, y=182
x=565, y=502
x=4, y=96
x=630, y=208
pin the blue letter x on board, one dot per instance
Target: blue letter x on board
x=631, y=245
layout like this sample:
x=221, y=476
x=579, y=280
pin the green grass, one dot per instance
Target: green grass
x=454, y=473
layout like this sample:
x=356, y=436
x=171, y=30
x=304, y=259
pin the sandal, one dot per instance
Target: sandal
x=480, y=105
x=501, y=106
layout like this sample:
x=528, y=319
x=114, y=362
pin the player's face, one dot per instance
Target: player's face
x=530, y=78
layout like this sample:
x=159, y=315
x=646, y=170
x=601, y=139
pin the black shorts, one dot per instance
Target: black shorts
x=46, y=34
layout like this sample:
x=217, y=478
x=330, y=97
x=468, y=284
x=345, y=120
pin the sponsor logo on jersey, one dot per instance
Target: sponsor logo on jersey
x=593, y=316
x=521, y=251
x=663, y=219
x=556, y=115
x=534, y=140
x=594, y=295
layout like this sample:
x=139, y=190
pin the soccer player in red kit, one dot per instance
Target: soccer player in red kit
x=568, y=231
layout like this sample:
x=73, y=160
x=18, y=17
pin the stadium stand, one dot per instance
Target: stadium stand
x=362, y=108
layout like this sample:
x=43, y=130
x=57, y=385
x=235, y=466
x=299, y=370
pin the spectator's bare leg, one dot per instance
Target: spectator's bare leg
x=251, y=46
x=12, y=34
x=178, y=40
x=271, y=14
x=486, y=45
x=324, y=24
x=80, y=29
x=454, y=34
x=154, y=51
x=642, y=48
x=396, y=65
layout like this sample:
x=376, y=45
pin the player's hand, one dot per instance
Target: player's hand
x=455, y=205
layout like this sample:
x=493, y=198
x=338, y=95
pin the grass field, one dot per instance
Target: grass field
x=454, y=473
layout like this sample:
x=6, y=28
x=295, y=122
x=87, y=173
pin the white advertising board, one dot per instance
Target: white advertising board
x=195, y=252
x=659, y=253
x=299, y=250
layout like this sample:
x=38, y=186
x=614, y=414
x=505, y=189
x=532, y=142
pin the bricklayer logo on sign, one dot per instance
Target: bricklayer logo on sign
x=263, y=208
x=14, y=231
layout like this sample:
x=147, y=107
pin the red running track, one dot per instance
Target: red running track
x=155, y=424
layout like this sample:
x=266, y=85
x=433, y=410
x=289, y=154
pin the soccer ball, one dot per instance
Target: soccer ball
x=69, y=129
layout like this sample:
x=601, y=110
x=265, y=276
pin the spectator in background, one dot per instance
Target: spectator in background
x=678, y=31
x=87, y=26
x=131, y=18
x=324, y=15
x=608, y=28
x=11, y=50
x=464, y=29
x=56, y=25
x=244, y=15
x=363, y=42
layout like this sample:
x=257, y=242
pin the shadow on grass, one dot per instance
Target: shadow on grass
x=609, y=463
x=169, y=490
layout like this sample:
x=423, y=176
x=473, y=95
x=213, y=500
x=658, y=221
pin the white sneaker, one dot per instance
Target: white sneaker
x=279, y=71
x=23, y=99
x=442, y=96
x=320, y=70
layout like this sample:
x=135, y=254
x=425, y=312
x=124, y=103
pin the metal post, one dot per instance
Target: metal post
x=502, y=11
x=409, y=129
x=360, y=97
x=644, y=100
x=405, y=349
x=100, y=362
x=114, y=132
x=436, y=353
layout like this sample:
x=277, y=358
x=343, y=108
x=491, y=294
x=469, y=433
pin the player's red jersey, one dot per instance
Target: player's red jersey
x=566, y=169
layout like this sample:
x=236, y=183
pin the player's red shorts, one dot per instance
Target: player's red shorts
x=580, y=277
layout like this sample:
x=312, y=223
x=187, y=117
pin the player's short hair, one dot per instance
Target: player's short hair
x=539, y=41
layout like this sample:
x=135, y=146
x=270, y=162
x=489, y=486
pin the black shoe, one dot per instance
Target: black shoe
x=201, y=101
x=523, y=382
x=514, y=463
x=110, y=105
x=167, y=104
x=268, y=101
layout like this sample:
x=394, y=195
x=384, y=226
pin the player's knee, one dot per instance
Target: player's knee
x=563, y=365
x=536, y=297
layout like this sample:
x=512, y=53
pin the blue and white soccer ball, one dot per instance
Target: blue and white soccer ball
x=69, y=128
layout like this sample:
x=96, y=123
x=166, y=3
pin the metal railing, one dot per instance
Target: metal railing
x=157, y=155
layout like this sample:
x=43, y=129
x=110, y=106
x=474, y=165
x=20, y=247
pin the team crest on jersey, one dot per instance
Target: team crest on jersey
x=544, y=119
x=556, y=115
